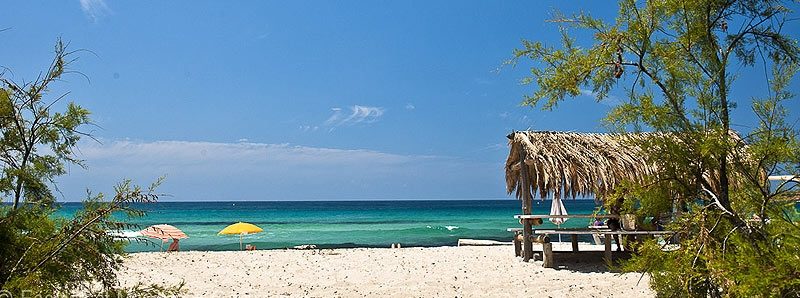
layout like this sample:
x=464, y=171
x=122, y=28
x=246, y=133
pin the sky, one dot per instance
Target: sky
x=300, y=100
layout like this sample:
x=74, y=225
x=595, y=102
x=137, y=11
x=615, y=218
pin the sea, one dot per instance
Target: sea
x=339, y=224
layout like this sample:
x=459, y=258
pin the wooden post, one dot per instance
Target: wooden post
x=547, y=255
x=575, y=242
x=607, y=241
x=517, y=244
x=527, y=230
x=527, y=244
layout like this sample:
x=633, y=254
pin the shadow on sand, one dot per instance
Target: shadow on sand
x=583, y=261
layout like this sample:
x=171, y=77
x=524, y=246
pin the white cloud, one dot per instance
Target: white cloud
x=410, y=106
x=95, y=9
x=307, y=128
x=358, y=114
x=257, y=171
x=183, y=153
x=609, y=100
x=589, y=93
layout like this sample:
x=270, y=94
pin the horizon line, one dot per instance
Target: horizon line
x=345, y=200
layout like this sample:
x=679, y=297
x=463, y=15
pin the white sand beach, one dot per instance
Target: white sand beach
x=485, y=271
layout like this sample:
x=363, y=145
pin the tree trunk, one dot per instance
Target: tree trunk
x=18, y=188
x=724, y=117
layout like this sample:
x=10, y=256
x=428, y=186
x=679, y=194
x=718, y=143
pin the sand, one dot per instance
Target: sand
x=486, y=271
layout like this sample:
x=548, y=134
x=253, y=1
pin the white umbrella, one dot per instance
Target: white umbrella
x=557, y=208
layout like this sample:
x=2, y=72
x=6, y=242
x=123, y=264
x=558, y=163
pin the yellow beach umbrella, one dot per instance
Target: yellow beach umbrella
x=240, y=228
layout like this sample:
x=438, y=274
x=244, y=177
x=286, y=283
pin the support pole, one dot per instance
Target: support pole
x=527, y=244
x=607, y=241
x=547, y=255
x=575, y=242
x=527, y=229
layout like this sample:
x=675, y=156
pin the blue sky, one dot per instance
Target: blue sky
x=305, y=100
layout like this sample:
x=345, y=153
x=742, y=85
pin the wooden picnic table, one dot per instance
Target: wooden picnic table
x=535, y=220
x=547, y=248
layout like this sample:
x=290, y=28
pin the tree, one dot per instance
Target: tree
x=48, y=257
x=42, y=255
x=674, y=60
x=29, y=126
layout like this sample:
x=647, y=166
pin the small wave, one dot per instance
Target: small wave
x=124, y=234
x=449, y=228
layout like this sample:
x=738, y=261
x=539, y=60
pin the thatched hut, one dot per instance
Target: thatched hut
x=570, y=164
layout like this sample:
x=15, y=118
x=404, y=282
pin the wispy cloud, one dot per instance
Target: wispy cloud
x=95, y=9
x=495, y=147
x=519, y=120
x=410, y=106
x=307, y=128
x=357, y=114
x=183, y=153
x=609, y=100
x=259, y=171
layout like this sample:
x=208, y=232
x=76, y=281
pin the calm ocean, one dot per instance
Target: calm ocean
x=342, y=223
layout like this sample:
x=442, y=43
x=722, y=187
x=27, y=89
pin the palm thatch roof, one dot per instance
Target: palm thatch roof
x=571, y=164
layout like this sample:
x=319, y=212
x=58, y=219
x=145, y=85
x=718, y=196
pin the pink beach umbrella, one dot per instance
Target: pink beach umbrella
x=163, y=232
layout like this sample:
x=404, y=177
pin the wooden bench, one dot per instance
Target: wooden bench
x=536, y=220
x=547, y=248
x=517, y=240
x=543, y=236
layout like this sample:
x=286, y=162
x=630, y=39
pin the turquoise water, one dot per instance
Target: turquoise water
x=341, y=223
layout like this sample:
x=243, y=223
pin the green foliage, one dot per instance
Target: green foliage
x=42, y=255
x=145, y=290
x=30, y=126
x=674, y=59
x=644, y=201
x=47, y=255
x=720, y=260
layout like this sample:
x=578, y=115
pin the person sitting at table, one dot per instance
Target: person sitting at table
x=614, y=225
